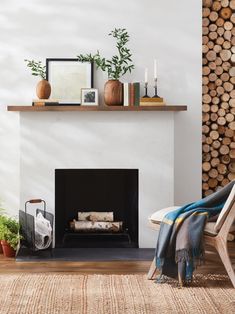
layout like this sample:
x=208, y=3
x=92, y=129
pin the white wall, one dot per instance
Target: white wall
x=169, y=31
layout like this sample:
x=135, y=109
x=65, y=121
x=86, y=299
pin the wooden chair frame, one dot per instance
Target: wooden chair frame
x=219, y=242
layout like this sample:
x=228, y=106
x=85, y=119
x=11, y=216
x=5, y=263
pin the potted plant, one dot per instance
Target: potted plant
x=43, y=89
x=9, y=235
x=115, y=67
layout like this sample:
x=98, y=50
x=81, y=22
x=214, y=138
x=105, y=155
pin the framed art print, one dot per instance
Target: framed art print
x=67, y=78
x=89, y=97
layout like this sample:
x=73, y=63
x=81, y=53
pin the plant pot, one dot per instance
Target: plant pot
x=113, y=93
x=1, y=251
x=8, y=251
x=43, y=89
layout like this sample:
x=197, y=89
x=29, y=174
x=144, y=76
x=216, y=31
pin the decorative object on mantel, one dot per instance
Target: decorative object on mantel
x=116, y=67
x=131, y=94
x=43, y=89
x=89, y=97
x=45, y=102
x=67, y=77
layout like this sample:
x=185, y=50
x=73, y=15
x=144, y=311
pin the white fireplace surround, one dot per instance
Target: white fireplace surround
x=143, y=141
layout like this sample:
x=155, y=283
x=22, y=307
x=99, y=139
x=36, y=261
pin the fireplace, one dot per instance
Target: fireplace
x=96, y=190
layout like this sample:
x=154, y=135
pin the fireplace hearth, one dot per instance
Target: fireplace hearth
x=96, y=190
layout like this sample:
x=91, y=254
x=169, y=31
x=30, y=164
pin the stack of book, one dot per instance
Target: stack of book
x=131, y=94
x=154, y=101
x=45, y=102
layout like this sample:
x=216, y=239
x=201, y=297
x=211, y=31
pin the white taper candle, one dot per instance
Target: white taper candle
x=146, y=75
x=155, y=68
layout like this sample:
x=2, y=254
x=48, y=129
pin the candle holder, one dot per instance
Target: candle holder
x=146, y=90
x=155, y=89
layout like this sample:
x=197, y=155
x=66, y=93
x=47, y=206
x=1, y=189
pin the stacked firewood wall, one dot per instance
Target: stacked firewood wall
x=218, y=108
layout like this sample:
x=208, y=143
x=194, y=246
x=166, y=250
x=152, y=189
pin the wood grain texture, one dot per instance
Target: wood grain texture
x=97, y=108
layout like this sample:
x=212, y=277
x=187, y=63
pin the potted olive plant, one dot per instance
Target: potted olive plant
x=115, y=67
x=9, y=235
x=43, y=89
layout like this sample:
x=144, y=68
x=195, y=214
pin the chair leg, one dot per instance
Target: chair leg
x=152, y=269
x=223, y=253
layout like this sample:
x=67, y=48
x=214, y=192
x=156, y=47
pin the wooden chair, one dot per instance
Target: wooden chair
x=216, y=234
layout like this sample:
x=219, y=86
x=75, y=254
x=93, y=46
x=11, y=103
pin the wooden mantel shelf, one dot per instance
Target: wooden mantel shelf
x=98, y=108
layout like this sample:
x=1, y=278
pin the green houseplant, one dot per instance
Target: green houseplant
x=9, y=235
x=43, y=89
x=116, y=67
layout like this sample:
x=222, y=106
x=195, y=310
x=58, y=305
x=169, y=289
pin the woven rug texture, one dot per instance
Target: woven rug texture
x=112, y=294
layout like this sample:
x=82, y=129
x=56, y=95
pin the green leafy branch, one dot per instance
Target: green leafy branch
x=119, y=64
x=37, y=68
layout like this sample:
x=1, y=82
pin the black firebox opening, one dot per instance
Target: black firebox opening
x=97, y=190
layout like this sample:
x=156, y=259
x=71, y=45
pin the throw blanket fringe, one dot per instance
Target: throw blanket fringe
x=180, y=246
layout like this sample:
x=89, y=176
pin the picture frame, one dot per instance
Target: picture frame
x=67, y=77
x=89, y=97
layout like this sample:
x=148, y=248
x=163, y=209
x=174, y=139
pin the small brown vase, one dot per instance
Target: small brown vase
x=8, y=251
x=43, y=89
x=1, y=251
x=113, y=93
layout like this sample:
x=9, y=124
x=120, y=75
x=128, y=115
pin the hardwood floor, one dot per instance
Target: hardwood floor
x=7, y=265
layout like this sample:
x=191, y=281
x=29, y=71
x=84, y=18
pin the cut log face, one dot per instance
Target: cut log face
x=96, y=226
x=218, y=100
x=95, y=216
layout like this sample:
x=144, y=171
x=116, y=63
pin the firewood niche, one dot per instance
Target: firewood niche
x=218, y=108
x=96, y=222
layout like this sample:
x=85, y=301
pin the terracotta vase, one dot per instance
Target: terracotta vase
x=113, y=93
x=8, y=251
x=43, y=89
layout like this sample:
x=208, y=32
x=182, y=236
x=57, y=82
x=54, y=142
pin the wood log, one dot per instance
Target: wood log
x=226, y=141
x=205, y=80
x=212, y=27
x=214, y=117
x=225, y=13
x=205, y=30
x=208, y=192
x=208, y=140
x=211, y=55
x=232, y=94
x=218, y=61
x=206, y=166
x=217, y=49
x=221, y=121
x=220, y=32
x=228, y=86
x=214, y=135
x=213, y=173
x=215, y=100
x=226, y=66
x=229, y=117
x=232, y=125
x=218, y=82
x=203, y=138
x=216, y=6
x=221, y=129
x=95, y=216
x=205, y=177
x=205, y=40
x=233, y=41
x=205, y=21
x=222, y=169
x=207, y=3
x=232, y=153
x=206, y=12
x=205, y=108
x=226, y=44
x=212, y=183
x=206, y=157
x=224, y=105
x=205, y=117
x=206, y=70
x=224, y=77
x=225, y=54
x=224, y=3
x=225, y=159
x=96, y=226
x=214, y=126
x=212, y=93
x=229, y=132
x=225, y=97
x=225, y=181
x=215, y=162
x=220, y=90
x=228, y=25
x=205, y=186
x=231, y=167
x=231, y=176
x=220, y=177
x=227, y=35
x=232, y=145
x=224, y=150
x=214, y=153
x=212, y=36
x=206, y=99
x=221, y=112
x=219, y=40
x=216, y=144
x=213, y=16
x=232, y=4
x=232, y=103
x=206, y=148
x=232, y=18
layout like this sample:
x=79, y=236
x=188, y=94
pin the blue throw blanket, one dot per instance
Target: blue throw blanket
x=180, y=241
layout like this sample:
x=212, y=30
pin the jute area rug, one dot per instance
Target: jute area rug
x=112, y=294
